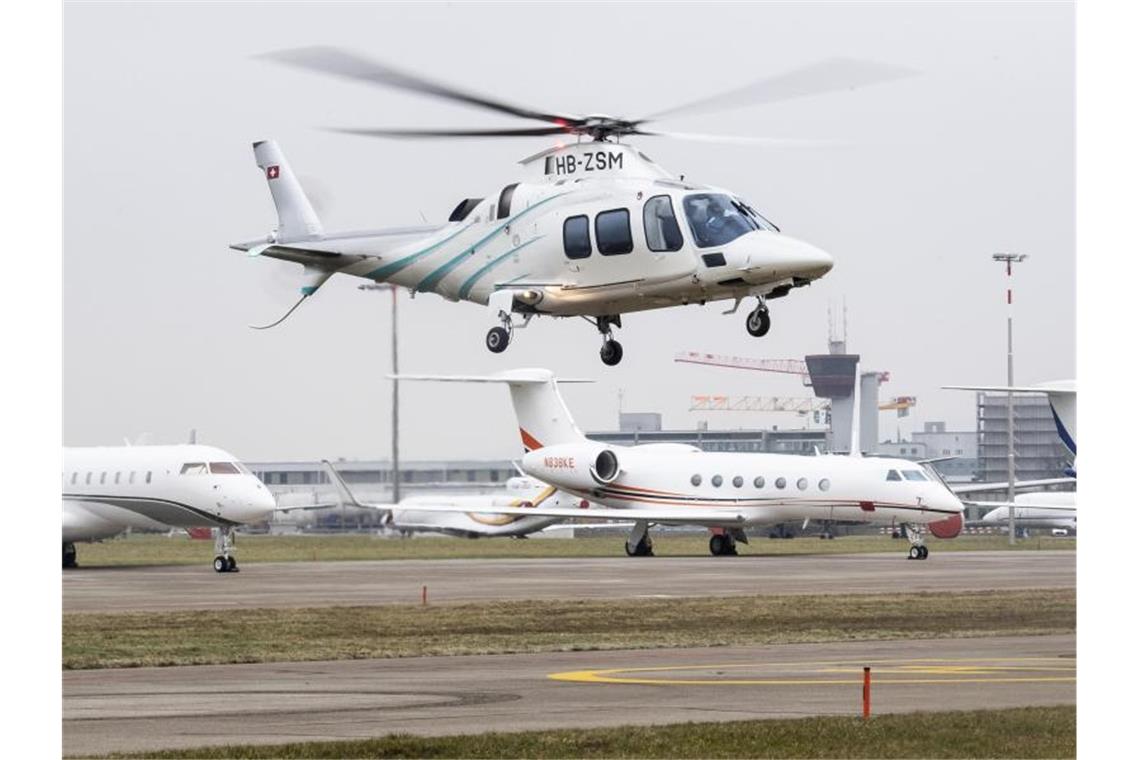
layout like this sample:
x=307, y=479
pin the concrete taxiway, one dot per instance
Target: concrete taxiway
x=315, y=584
x=146, y=709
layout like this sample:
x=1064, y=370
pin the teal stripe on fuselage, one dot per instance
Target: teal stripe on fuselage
x=392, y=268
x=469, y=283
x=428, y=283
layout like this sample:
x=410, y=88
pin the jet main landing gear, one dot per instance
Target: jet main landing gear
x=759, y=322
x=913, y=534
x=224, y=560
x=639, y=544
x=722, y=545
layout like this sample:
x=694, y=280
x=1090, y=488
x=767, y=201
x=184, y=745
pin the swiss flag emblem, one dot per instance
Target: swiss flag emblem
x=272, y=172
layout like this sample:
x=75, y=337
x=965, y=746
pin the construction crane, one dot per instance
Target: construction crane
x=721, y=403
x=781, y=366
x=901, y=404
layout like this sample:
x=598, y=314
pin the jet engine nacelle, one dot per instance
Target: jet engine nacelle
x=580, y=466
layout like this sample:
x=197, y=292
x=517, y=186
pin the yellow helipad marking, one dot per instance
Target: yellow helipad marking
x=910, y=671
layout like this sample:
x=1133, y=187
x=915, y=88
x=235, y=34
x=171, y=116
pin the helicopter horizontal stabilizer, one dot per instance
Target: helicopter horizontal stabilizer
x=296, y=219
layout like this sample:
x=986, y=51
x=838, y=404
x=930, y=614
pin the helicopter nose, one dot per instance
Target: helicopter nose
x=778, y=256
x=805, y=260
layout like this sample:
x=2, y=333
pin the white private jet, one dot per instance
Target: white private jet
x=520, y=492
x=675, y=484
x=1036, y=509
x=108, y=489
x=1048, y=509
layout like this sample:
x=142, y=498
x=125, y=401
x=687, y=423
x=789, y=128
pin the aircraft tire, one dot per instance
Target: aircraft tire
x=231, y=565
x=915, y=552
x=220, y=564
x=69, y=554
x=611, y=353
x=923, y=552
x=498, y=339
x=758, y=323
x=716, y=545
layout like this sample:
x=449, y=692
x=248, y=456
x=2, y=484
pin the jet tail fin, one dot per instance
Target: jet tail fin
x=542, y=415
x=296, y=219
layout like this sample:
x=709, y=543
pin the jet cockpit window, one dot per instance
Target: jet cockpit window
x=717, y=219
x=224, y=468
x=194, y=468
x=662, y=233
x=913, y=475
x=893, y=475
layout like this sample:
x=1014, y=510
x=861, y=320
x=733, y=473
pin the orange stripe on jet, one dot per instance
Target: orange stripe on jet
x=529, y=441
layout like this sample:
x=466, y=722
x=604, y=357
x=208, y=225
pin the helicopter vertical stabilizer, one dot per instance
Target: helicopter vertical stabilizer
x=296, y=219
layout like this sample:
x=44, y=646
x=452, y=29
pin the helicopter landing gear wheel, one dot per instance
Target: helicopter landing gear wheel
x=611, y=353
x=759, y=322
x=498, y=339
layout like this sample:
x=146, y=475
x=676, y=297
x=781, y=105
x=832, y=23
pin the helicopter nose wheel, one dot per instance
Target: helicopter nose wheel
x=498, y=339
x=758, y=322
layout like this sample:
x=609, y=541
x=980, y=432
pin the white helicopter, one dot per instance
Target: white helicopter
x=593, y=229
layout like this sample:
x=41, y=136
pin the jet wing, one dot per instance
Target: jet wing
x=1021, y=505
x=669, y=516
x=976, y=487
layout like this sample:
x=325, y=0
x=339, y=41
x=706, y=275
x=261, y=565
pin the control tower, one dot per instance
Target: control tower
x=833, y=377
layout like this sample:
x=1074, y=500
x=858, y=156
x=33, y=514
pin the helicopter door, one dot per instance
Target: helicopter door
x=664, y=240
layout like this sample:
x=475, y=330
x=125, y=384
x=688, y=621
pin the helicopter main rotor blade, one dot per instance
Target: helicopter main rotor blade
x=337, y=62
x=399, y=133
x=826, y=76
x=770, y=142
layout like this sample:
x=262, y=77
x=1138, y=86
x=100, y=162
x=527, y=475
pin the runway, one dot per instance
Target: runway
x=316, y=584
x=146, y=709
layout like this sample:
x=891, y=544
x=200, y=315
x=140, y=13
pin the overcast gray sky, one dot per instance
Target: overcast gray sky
x=972, y=156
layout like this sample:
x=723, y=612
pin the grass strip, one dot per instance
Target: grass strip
x=1027, y=732
x=180, y=550
x=135, y=639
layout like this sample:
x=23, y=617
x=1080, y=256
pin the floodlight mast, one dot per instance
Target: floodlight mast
x=395, y=389
x=1009, y=259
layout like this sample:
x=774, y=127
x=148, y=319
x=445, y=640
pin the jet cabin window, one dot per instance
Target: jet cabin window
x=194, y=468
x=576, y=237
x=662, y=233
x=611, y=228
x=717, y=219
x=224, y=468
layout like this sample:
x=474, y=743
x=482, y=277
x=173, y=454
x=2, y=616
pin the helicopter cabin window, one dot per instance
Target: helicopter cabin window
x=893, y=475
x=576, y=237
x=611, y=228
x=194, y=468
x=913, y=475
x=224, y=468
x=662, y=233
x=505, y=200
x=717, y=219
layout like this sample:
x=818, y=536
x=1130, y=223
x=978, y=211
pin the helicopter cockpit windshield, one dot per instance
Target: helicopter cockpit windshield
x=717, y=219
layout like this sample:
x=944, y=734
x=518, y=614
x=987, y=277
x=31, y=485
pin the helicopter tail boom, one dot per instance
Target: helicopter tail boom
x=296, y=219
